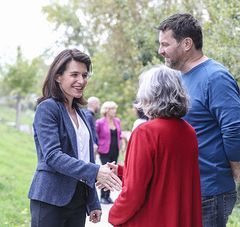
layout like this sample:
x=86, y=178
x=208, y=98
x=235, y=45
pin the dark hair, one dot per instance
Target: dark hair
x=183, y=25
x=139, y=111
x=51, y=88
x=141, y=114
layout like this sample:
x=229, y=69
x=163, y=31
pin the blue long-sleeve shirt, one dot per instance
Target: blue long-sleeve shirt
x=215, y=115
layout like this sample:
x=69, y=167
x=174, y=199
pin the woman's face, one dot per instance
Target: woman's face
x=74, y=80
x=112, y=111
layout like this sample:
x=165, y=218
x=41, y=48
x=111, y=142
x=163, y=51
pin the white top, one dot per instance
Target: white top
x=138, y=122
x=83, y=138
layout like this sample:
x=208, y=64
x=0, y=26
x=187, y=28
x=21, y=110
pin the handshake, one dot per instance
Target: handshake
x=107, y=178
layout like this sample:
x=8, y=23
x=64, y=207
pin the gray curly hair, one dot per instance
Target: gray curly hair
x=161, y=93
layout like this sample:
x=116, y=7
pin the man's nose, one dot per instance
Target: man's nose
x=160, y=51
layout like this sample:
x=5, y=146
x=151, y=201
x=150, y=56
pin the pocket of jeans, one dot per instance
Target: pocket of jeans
x=231, y=195
x=207, y=200
x=229, y=202
x=209, y=211
x=209, y=205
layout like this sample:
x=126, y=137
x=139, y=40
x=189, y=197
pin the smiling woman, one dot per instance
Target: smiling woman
x=73, y=80
x=63, y=187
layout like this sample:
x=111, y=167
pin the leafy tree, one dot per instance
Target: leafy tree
x=21, y=79
x=113, y=37
x=120, y=37
x=222, y=32
x=75, y=31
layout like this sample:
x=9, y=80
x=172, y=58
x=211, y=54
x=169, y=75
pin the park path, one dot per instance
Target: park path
x=105, y=209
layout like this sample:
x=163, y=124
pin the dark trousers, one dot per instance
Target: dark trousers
x=110, y=157
x=71, y=215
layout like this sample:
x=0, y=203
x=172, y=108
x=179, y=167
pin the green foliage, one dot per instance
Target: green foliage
x=117, y=60
x=222, y=32
x=17, y=166
x=113, y=87
x=234, y=220
x=20, y=77
x=74, y=30
x=120, y=37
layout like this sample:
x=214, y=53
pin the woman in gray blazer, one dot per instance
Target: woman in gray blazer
x=63, y=187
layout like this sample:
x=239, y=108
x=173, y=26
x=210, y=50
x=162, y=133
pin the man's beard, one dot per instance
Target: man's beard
x=172, y=64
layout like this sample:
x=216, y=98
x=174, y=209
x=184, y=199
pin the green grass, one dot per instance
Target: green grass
x=18, y=161
x=234, y=220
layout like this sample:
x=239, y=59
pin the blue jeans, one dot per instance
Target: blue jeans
x=216, y=209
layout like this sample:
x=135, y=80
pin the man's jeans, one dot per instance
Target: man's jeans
x=216, y=209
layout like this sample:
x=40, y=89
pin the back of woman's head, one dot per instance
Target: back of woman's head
x=51, y=88
x=161, y=93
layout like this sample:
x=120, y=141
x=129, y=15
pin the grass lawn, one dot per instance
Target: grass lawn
x=17, y=164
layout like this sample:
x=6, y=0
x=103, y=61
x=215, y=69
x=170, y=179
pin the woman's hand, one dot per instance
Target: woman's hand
x=107, y=179
x=113, y=167
x=95, y=216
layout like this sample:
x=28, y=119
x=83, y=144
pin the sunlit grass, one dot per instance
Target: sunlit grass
x=18, y=160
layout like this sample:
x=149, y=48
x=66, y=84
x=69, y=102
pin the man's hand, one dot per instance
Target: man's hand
x=107, y=179
x=236, y=171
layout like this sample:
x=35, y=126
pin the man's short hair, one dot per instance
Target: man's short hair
x=183, y=25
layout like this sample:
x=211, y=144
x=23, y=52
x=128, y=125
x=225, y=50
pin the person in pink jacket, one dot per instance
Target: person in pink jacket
x=108, y=129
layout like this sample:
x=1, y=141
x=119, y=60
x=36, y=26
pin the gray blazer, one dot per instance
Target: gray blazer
x=59, y=169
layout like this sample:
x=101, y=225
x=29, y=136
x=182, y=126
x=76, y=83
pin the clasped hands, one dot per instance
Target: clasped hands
x=107, y=178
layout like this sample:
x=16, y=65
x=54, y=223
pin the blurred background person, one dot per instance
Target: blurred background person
x=161, y=180
x=108, y=130
x=141, y=117
x=93, y=107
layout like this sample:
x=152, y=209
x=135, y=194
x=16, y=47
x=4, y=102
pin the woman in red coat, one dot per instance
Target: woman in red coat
x=161, y=182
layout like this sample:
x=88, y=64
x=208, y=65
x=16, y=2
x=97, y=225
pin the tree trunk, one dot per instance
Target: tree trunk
x=18, y=111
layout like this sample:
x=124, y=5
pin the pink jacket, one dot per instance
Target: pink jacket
x=104, y=136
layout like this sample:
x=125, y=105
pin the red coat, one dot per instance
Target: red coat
x=161, y=181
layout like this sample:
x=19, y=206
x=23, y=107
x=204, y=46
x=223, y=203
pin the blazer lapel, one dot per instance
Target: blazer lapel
x=69, y=127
